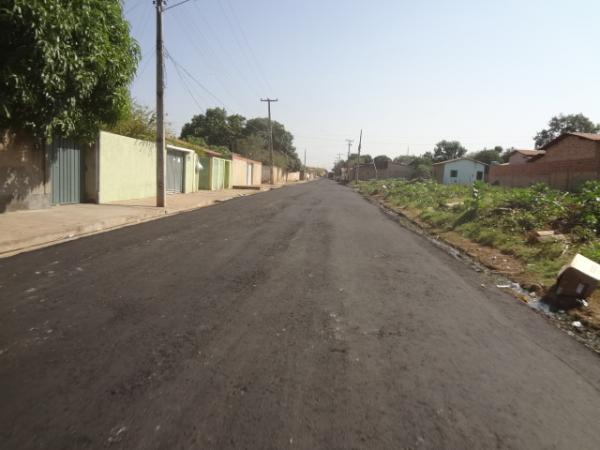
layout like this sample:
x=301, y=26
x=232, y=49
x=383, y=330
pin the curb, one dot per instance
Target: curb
x=15, y=247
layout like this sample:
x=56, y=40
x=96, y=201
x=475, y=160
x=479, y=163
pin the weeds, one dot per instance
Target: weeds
x=505, y=218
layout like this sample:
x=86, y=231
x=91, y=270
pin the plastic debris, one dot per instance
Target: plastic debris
x=577, y=325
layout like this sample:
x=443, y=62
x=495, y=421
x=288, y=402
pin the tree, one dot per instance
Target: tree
x=381, y=161
x=445, y=150
x=562, y=124
x=487, y=155
x=403, y=159
x=66, y=66
x=215, y=127
x=139, y=123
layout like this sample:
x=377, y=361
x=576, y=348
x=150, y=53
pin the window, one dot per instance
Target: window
x=479, y=175
x=453, y=173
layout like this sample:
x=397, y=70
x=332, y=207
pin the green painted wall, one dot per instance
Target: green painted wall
x=127, y=168
x=190, y=181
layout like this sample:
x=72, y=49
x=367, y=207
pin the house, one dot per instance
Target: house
x=568, y=161
x=114, y=168
x=245, y=172
x=459, y=171
x=520, y=156
x=215, y=173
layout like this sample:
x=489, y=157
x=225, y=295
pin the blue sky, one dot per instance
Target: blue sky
x=409, y=73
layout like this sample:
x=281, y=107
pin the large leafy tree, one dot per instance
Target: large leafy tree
x=565, y=124
x=215, y=127
x=487, y=155
x=247, y=137
x=66, y=66
x=445, y=150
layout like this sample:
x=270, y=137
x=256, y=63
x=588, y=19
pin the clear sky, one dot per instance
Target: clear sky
x=409, y=73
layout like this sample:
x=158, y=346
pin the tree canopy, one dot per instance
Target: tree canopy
x=247, y=137
x=66, y=66
x=565, y=124
x=487, y=155
x=445, y=150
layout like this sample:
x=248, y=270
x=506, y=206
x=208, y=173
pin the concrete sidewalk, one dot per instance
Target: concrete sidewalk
x=27, y=230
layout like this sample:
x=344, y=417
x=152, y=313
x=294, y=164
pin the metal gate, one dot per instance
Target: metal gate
x=66, y=169
x=249, y=173
x=175, y=171
x=218, y=174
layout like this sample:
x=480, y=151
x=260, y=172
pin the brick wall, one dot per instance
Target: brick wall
x=565, y=175
x=570, y=148
x=566, y=165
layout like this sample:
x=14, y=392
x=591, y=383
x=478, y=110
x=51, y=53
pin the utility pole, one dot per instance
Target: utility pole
x=160, y=111
x=349, y=142
x=358, y=165
x=304, y=159
x=269, y=100
x=161, y=6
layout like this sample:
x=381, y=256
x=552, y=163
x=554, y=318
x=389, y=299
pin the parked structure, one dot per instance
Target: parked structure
x=245, y=172
x=385, y=169
x=569, y=160
x=459, y=171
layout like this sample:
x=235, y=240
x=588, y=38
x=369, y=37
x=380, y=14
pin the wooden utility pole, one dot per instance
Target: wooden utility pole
x=358, y=163
x=160, y=111
x=349, y=141
x=269, y=100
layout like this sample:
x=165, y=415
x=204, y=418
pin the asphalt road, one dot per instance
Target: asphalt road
x=298, y=318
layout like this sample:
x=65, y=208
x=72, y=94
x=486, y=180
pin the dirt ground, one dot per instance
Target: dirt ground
x=503, y=264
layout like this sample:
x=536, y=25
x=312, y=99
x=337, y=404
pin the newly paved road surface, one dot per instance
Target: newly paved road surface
x=299, y=318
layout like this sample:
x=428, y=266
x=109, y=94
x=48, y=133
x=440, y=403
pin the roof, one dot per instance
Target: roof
x=180, y=149
x=215, y=154
x=588, y=136
x=528, y=152
x=238, y=156
x=459, y=159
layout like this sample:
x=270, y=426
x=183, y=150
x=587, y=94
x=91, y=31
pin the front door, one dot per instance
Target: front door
x=175, y=170
x=249, y=173
x=66, y=169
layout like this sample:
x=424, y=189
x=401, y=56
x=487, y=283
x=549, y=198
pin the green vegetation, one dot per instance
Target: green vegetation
x=66, y=66
x=505, y=218
x=219, y=131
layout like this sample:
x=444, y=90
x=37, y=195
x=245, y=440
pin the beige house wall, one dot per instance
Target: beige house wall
x=24, y=183
x=239, y=167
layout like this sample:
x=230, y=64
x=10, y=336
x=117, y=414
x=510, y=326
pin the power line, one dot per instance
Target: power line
x=250, y=52
x=204, y=59
x=185, y=85
x=225, y=52
x=204, y=88
x=176, y=4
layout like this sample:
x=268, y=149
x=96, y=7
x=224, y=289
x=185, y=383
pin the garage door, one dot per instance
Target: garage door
x=175, y=171
x=66, y=169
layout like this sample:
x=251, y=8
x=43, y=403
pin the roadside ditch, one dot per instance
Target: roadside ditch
x=501, y=270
